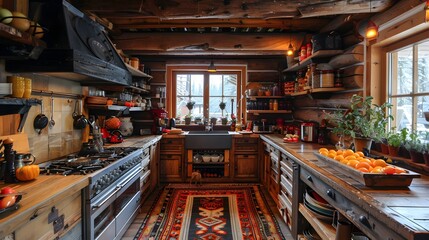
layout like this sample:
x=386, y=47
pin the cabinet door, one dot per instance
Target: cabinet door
x=246, y=166
x=170, y=168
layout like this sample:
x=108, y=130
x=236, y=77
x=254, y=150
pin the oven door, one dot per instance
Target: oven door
x=113, y=212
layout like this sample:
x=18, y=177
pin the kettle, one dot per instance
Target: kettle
x=172, y=123
x=309, y=131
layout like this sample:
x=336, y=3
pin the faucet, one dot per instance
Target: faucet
x=208, y=126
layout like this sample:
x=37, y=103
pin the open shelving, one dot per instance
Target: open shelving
x=324, y=229
x=317, y=55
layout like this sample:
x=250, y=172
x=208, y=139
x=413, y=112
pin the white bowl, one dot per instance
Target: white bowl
x=206, y=158
x=215, y=158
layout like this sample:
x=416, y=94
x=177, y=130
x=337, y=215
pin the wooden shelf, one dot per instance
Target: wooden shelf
x=325, y=229
x=136, y=72
x=269, y=111
x=317, y=90
x=317, y=55
x=253, y=98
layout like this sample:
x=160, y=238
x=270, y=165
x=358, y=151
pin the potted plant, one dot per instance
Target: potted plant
x=415, y=146
x=364, y=121
x=188, y=117
x=197, y=120
x=224, y=120
x=394, y=141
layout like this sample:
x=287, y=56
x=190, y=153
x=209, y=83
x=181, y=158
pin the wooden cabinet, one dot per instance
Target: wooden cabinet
x=171, y=159
x=246, y=158
x=54, y=221
x=212, y=171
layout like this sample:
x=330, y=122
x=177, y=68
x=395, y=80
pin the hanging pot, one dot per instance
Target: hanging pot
x=41, y=121
x=79, y=120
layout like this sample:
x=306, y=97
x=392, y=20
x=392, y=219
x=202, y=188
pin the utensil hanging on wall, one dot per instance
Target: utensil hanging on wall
x=80, y=120
x=41, y=121
x=52, y=121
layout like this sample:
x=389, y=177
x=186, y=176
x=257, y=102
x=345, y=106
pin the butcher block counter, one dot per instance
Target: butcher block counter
x=50, y=192
x=381, y=213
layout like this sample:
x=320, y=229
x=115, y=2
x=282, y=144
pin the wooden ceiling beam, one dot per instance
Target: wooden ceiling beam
x=208, y=42
x=151, y=23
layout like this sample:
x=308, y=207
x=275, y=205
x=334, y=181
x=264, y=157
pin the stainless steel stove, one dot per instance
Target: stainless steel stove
x=112, y=198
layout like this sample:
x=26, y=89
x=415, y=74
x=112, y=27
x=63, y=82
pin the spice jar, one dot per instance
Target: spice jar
x=134, y=62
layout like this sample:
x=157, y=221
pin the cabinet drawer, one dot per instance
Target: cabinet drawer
x=246, y=145
x=366, y=222
x=172, y=145
x=286, y=170
x=286, y=184
x=164, y=157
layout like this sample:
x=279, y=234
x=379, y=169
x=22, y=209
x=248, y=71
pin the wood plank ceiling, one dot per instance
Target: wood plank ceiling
x=224, y=27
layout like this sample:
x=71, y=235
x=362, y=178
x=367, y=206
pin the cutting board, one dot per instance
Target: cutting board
x=20, y=142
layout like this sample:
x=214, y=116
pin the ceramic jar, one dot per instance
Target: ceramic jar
x=126, y=127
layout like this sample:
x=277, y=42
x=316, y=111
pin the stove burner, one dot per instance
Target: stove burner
x=81, y=165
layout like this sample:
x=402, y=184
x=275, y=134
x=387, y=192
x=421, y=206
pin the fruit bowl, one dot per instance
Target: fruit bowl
x=14, y=206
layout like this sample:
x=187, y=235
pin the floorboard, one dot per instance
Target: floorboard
x=144, y=210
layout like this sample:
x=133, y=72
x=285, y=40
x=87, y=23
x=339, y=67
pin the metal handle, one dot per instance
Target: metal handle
x=309, y=178
x=331, y=193
x=98, y=205
x=365, y=222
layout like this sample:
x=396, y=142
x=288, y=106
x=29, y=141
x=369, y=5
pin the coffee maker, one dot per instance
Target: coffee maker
x=160, y=121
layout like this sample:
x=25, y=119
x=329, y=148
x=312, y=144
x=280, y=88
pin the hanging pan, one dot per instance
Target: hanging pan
x=41, y=121
x=79, y=120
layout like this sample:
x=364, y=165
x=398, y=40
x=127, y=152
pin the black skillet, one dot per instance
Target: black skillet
x=41, y=121
x=79, y=120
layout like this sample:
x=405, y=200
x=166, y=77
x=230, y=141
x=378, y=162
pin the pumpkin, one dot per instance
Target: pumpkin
x=113, y=123
x=28, y=172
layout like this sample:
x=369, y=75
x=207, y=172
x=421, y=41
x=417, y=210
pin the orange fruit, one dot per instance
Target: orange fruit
x=350, y=157
x=333, y=151
x=379, y=162
x=348, y=152
x=377, y=169
x=365, y=160
x=345, y=161
x=363, y=169
x=323, y=149
x=352, y=163
x=389, y=170
x=399, y=170
x=363, y=165
x=332, y=155
x=339, y=157
x=360, y=154
x=340, y=152
x=324, y=153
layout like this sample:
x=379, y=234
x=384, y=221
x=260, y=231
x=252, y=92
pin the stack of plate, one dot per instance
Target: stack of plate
x=318, y=206
x=310, y=234
x=5, y=89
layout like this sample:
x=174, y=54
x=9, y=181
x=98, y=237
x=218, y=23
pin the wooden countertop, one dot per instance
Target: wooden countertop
x=405, y=210
x=47, y=189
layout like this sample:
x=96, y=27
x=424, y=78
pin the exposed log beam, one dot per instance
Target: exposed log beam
x=286, y=24
x=207, y=53
x=195, y=42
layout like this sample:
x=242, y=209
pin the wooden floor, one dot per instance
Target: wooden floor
x=132, y=230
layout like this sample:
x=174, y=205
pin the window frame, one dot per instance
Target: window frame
x=387, y=64
x=240, y=70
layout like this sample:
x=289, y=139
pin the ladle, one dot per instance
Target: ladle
x=52, y=121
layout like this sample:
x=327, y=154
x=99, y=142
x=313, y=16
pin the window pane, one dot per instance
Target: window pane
x=423, y=106
x=423, y=67
x=404, y=71
x=230, y=85
x=215, y=85
x=197, y=85
x=404, y=113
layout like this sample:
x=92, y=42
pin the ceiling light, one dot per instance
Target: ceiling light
x=290, y=50
x=211, y=67
x=371, y=31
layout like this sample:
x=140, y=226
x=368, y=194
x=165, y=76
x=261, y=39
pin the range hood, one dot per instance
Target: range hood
x=77, y=47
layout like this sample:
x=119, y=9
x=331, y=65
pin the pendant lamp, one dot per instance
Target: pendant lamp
x=211, y=67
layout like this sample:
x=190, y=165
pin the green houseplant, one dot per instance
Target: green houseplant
x=188, y=117
x=415, y=146
x=364, y=121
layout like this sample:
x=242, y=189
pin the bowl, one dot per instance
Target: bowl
x=214, y=158
x=206, y=158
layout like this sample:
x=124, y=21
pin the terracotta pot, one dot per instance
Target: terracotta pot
x=403, y=152
x=393, y=151
x=385, y=149
x=361, y=143
x=416, y=156
x=187, y=121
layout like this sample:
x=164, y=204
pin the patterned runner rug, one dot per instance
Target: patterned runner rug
x=210, y=212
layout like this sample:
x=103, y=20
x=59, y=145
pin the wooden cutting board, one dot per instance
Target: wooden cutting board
x=20, y=142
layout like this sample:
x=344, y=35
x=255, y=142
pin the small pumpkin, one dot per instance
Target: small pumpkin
x=28, y=172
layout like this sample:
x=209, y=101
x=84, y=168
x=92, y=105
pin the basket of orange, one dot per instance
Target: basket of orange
x=369, y=171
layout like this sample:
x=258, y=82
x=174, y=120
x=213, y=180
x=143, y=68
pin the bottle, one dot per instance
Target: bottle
x=275, y=105
x=271, y=104
x=9, y=156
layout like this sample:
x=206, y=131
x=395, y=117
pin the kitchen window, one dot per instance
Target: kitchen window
x=408, y=86
x=194, y=84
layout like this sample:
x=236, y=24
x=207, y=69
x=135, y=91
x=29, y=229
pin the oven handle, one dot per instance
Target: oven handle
x=117, y=189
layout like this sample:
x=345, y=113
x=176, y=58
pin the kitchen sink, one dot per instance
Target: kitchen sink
x=208, y=140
